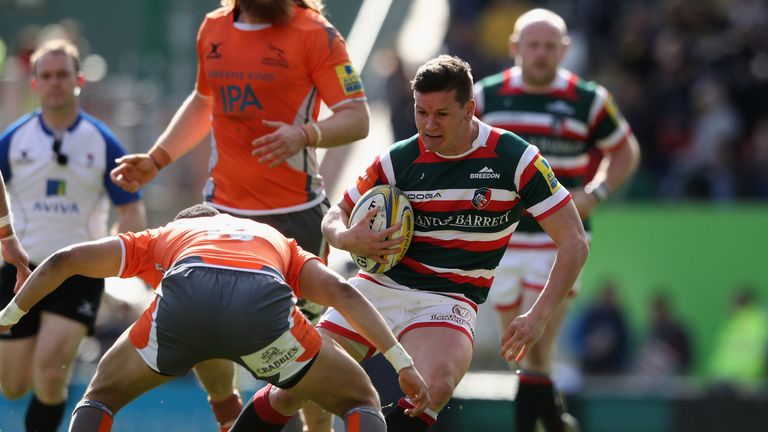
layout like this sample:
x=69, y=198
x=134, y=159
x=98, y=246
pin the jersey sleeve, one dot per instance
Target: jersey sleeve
x=374, y=175
x=5, y=155
x=607, y=125
x=5, y=145
x=539, y=190
x=330, y=68
x=138, y=256
x=298, y=258
x=201, y=85
x=115, y=150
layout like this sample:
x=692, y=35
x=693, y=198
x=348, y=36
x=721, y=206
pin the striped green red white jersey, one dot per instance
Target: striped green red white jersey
x=465, y=208
x=566, y=124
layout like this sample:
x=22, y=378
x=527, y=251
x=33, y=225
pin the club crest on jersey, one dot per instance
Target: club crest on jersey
x=214, y=54
x=482, y=198
x=348, y=78
x=543, y=166
x=279, y=60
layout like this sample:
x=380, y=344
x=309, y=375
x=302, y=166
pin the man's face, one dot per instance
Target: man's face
x=273, y=11
x=539, y=50
x=57, y=82
x=442, y=122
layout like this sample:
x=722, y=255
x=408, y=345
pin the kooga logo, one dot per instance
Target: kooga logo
x=485, y=173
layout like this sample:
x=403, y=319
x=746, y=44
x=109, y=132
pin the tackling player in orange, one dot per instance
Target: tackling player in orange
x=223, y=275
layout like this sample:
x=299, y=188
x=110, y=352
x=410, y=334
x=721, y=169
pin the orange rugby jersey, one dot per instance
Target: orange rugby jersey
x=268, y=72
x=219, y=241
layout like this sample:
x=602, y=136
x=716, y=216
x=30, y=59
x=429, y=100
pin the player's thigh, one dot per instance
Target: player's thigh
x=122, y=375
x=57, y=341
x=357, y=350
x=217, y=376
x=442, y=355
x=506, y=292
x=336, y=382
x=16, y=359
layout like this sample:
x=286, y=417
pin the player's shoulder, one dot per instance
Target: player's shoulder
x=218, y=14
x=407, y=148
x=405, y=144
x=491, y=81
x=218, y=20
x=587, y=87
x=308, y=21
x=401, y=154
x=97, y=133
x=87, y=120
x=510, y=144
x=19, y=123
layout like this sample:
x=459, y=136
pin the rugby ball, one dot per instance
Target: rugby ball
x=394, y=207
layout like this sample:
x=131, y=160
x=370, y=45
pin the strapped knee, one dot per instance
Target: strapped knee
x=365, y=418
x=91, y=415
x=90, y=403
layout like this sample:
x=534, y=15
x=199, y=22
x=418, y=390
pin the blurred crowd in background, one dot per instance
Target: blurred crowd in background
x=601, y=341
x=691, y=76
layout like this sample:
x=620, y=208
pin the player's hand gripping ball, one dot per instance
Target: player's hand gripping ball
x=394, y=207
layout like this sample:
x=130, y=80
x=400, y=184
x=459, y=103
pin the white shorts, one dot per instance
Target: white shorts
x=404, y=311
x=521, y=269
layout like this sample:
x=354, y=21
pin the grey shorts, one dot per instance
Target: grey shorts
x=203, y=313
x=304, y=227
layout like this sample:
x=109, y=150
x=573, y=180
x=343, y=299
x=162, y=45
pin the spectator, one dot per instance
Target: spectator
x=738, y=360
x=666, y=350
x=602, y=334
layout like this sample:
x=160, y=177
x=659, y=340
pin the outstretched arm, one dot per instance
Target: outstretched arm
x=322, y=285
x=189, y=126
x=96, y=259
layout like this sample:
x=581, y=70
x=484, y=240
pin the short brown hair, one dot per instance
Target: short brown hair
x=445, y=73
x=56, y=46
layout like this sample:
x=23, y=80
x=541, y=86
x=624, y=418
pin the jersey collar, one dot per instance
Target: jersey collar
x=49, y=131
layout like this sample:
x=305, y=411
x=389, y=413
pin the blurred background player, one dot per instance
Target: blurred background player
x=263, y=68
x=463, y=220
x=57, y=162
x=568, y=119
x=242, y=276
